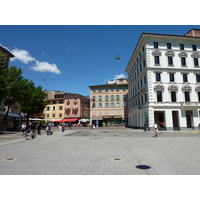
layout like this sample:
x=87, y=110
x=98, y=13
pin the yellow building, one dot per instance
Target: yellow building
x=108, y=103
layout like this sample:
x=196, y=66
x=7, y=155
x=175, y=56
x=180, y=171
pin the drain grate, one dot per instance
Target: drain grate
x=117, y=159
x=10, y=159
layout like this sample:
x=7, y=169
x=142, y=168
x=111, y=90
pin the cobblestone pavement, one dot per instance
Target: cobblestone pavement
x=101, y=151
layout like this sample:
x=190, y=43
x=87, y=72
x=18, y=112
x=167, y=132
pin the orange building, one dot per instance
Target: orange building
x=63, y=105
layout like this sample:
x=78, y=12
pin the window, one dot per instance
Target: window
x=159, y=96
x=185, y=79
x=196, y=62
x=60, y=107
x=106, y=105
x=112, y=105
x=100, y=98
x=145, y=97
x=170, y=60
x=53, y=115
x=181, y=46
x=54, y=108
x=118, y=104
x=171, y=77
x=183, y=61
x=155, y=44
x=145, y=80
x=93, y=105
x=48, y=108
x=194, y=47
x=158, y=77
x=157, y=60
x=173, y=96
x=144, y=65
x=106, y=97
x=169, y=46
x=187, y=96
x=112, y=97
x=100, y=105
x=60, y=114
x=199, y=96
x=47, y=115
x=198, y=78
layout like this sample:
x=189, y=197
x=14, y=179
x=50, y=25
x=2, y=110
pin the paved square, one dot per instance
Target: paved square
x=102, y=151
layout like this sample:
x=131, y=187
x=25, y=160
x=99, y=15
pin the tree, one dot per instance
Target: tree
x=11, y=79
x=32, y=99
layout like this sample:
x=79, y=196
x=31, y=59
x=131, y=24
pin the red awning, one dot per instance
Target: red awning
x=67, y=120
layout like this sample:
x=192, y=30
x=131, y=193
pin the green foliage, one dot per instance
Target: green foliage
x=15, y=89
x=32, y=99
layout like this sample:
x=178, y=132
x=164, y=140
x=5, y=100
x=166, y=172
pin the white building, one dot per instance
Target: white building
x=164, y=81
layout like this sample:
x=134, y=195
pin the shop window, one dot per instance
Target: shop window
x=159, y=117
x=175, y=119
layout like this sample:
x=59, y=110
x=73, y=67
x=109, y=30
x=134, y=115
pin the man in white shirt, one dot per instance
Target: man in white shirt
x=155, y=129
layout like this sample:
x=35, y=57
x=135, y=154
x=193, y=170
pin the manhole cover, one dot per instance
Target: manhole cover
x=143, y=167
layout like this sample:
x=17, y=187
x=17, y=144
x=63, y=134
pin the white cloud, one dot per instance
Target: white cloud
x=45, y=67
x=22, y=55
x=109, y=81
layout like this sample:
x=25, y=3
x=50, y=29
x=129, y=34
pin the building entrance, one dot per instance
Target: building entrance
x=189, y=115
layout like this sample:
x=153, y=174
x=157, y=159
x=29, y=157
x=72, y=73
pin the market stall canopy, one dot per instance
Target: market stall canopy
x=11, y=115
x=67, y=120
x=83, y=120
x=35, y=119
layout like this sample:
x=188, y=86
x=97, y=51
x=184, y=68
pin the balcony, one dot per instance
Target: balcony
x=68, y=108
x=75, y=108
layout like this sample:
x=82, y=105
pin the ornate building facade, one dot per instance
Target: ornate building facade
x=164, y=81
x=108, y=104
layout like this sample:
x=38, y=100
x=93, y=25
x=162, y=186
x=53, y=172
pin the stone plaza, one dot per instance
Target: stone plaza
x=101, y=151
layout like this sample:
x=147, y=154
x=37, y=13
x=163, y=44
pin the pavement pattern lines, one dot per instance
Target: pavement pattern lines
x=102, y=152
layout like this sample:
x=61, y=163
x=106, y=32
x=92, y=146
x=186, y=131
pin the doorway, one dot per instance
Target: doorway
x=189, y=115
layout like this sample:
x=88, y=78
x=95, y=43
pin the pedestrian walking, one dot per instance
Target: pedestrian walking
x=155, y=129
x=145, y=126
x=38, y=127
x=70, y=125
x=23, y=127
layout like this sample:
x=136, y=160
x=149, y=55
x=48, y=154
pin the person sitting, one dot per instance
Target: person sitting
x=48, y=131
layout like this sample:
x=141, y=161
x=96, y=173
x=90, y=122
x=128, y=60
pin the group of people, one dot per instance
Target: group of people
x=29, y=129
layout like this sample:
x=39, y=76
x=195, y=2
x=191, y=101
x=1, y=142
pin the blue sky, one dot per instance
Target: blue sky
x=72, y=57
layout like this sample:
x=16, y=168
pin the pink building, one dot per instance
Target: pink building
x=62, y=105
